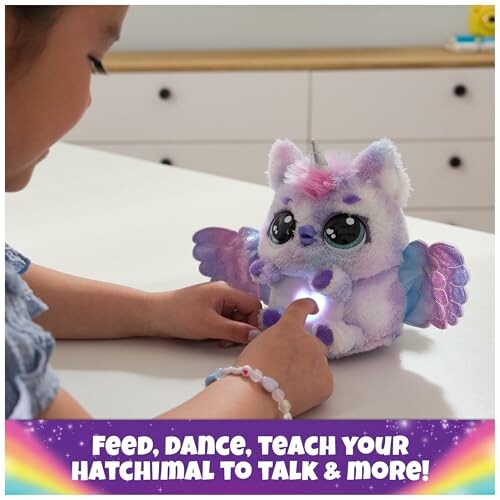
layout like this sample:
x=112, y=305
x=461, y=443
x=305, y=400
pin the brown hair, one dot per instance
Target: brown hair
x=32, y=25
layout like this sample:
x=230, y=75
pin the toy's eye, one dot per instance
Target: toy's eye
x=344, y=231
x=282, y=228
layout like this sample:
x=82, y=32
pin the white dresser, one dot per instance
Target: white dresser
x=222, y=117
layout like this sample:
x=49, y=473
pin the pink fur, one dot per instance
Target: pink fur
x=311, y=180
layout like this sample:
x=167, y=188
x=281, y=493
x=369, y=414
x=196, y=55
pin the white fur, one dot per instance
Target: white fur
x=283, y=153
x=393, y=178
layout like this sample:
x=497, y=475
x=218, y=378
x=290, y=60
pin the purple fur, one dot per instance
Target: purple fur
x=370, y=163
x=274, y=275
x=270, y=317
x=256, y=268
x=351, y=199
x=322, y=279
x=325, y=334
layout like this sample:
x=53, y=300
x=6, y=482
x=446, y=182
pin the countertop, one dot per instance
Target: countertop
x=129, y=221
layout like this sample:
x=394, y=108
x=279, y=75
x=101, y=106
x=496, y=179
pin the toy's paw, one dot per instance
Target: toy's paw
x=264, y=273
x=334, y=283
x=322, y=280
x=268, y=317
x=340, y=338
x=256, y=268
x=324, y=333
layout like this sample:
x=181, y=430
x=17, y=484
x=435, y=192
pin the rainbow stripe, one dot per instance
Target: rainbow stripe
x=467, y=469
x=32, y=469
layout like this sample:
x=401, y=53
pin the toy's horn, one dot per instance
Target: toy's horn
x=318, y=157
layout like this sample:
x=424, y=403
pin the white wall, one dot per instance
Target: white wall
x=246, y=27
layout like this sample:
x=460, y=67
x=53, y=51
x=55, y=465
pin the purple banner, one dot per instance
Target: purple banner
x=254, y=457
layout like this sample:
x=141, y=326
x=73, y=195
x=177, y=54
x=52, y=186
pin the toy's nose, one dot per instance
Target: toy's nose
x=307, y=234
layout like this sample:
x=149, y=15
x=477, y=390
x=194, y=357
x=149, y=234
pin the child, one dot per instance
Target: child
x=51, y=52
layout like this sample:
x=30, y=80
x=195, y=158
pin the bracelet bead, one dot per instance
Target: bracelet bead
x=278, y=395
x=284, y=406
x=269, y=384
x=255, y=375
x=245, y=370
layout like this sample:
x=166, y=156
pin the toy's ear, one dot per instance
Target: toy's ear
x=381, y=163
x=282, y=154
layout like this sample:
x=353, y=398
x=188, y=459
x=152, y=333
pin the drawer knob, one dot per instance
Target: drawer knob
x=166, y=161
x=460, y=90
x=455, y=162
x=165, y=93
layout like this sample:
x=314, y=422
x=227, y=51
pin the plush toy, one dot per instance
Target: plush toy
x=336, y=232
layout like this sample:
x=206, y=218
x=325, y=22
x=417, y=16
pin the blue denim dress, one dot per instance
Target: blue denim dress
x=30, y=383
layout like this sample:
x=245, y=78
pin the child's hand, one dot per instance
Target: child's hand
x=297, y=360
x=206, y=311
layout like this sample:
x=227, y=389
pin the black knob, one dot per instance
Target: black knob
x=164, y=93
x=166, y=161
x=460, y=90
x=455, y=161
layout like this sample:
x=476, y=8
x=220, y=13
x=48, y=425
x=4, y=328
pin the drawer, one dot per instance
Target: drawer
x=403, y=104
x=444, y=174
x=481, y=219
x=243, y=106
x=246, y=162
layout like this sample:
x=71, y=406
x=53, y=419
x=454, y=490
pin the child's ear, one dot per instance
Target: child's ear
x=380, y=163
x=282, y=154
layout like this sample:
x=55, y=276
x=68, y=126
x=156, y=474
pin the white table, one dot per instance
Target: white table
x=130, y=221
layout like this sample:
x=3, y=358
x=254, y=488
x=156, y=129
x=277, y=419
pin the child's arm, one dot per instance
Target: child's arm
x=231, y=398
x=285, y=352
x=64, y=407
x=84, y=308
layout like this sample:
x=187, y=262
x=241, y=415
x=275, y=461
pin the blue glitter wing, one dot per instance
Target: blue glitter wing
x=226, y=255
x=434, y=279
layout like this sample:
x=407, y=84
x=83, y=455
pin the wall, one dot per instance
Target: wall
x=296, y=26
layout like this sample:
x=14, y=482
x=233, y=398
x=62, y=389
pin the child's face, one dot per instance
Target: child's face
x=47, y=98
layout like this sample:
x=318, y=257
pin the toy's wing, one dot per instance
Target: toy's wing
x=434, y=279
x=226, y=255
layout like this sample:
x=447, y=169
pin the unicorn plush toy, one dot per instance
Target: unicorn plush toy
x=336, y=232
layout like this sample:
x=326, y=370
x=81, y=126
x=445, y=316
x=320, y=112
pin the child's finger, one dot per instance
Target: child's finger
x=236, y=299
x=233, y=331
x=224, y=344
x=249, y=319
x=237, y=315
x=300, y=309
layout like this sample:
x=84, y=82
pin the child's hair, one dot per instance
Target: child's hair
x=32, y=25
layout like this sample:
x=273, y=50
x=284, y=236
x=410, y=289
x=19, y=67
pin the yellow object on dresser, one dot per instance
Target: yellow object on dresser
x=482, y=20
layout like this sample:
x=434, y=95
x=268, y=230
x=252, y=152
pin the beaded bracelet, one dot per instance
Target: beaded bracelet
x=255, y=375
